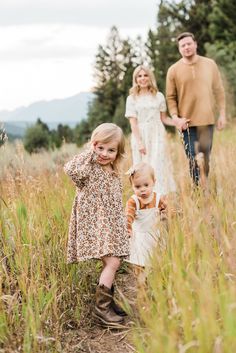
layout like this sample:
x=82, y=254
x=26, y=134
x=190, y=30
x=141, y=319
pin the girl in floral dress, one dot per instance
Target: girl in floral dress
x=97, y=227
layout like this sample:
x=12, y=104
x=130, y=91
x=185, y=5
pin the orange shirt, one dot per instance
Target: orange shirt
x=131, y=208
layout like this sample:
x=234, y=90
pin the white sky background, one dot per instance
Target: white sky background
x=48, y=47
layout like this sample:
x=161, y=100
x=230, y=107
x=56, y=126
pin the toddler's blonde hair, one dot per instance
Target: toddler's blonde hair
x=139, y=170
x=106, y=133
x=152, y=88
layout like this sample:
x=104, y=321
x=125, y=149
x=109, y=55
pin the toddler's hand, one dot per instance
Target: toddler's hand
x=130, y=232
x=163, y=216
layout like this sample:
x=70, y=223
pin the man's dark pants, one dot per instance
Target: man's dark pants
x=198, y=139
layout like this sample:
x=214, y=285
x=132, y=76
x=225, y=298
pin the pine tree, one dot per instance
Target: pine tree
x=161, y=44
x=172, y=19
x=222, y=46
x=114, y=65
x=36, y=138
x=192, y=16
x=222, y=21
x=107, y=72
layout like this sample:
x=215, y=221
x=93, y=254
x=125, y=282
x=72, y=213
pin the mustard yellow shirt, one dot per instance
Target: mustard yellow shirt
x=192, y=91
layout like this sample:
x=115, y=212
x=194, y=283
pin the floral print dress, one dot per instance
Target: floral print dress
x=97, y=225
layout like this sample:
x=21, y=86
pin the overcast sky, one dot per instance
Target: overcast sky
x=48, y=47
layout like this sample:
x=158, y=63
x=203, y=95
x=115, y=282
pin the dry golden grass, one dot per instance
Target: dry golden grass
x=39, y=292
x=190, y=300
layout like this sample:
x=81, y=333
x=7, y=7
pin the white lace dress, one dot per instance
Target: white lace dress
x=146, y=109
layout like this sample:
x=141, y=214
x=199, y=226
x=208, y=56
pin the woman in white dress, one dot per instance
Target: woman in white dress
x=146, y=111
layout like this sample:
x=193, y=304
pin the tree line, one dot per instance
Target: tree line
x=212, y=22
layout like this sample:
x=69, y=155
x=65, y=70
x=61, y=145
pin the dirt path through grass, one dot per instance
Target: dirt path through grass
x=87, y=337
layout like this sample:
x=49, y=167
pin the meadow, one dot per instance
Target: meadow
x=189, y=302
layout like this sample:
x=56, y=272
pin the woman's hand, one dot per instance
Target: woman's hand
x=137, y=135
x=142, y=148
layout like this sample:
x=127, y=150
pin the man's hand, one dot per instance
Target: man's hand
x=181, y=123
x=221, y=122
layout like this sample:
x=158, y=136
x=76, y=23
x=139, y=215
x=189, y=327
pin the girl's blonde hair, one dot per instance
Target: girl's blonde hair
x=141, y=169
x=152, y=87
x=106, y=133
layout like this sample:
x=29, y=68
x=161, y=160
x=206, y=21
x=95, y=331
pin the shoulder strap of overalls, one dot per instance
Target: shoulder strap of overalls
x=136, y=201
x=158, y=196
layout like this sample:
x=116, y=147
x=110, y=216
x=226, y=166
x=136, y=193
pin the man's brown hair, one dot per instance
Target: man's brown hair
x=184, y=35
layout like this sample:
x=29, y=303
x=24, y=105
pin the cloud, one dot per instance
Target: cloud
x=48, y=47
x=101, y=13
x=23, y=83
x=46, y=42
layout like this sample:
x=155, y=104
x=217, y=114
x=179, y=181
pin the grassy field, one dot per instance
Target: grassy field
x=39, y=292
x=190, y=301
x=189, y=304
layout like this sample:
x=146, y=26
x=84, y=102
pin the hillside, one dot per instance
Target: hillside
x=68, y=111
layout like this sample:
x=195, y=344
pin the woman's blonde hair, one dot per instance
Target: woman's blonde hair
x=152, y=87
x=106, y=133
x=141, y=169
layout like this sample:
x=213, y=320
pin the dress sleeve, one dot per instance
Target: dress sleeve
x=130, y=109
x=130, y=212
x=80, y=167
x=163, y=107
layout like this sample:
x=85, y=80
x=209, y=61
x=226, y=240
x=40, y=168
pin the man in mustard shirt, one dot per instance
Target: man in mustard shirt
x=193, y=87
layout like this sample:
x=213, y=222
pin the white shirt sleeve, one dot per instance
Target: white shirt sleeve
x=130, y=110
x=162, y=100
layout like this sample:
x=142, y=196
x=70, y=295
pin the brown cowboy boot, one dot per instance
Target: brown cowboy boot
x=103, y=310
x=117, y=309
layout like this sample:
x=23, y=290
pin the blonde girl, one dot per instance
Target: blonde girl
x=97, y=227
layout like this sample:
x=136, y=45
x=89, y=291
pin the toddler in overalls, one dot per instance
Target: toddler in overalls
x=143, y=210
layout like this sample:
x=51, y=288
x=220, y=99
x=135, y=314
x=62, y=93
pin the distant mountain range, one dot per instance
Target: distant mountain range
x=68, y=111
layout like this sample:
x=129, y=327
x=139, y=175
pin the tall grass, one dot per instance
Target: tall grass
x=190, y=300
x=39, y=292
x=189, y=304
